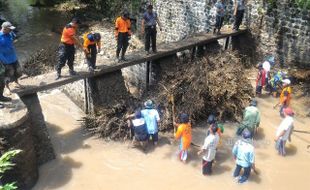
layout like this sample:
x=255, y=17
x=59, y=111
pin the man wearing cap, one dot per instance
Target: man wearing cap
x=152, y=119
x=285, y=96
x=251, y=119
x=209, y=148
x=66, y=50
x=184, y=132
x=91, y=46
x=148, y=26
x=122, y=34
x=243, y=153
x=8, y=57
x=284, y=131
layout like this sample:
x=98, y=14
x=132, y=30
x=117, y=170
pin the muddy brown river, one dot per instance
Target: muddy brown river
x=87, y=163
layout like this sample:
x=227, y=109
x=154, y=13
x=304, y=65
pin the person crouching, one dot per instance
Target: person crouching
x=139, y=129
x=91, y=46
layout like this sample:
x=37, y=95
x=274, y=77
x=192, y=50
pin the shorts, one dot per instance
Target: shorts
x=153, y=137
x=12, y=72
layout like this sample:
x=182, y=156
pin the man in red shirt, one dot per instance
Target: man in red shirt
x=66, y=49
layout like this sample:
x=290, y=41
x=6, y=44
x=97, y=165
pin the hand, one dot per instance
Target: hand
x=129, y=37
x=88, y=55
x=142, y=31
x=99, y=50
x=160, y=28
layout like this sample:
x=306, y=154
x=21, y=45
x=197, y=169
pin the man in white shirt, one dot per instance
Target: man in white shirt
x=209, y=148
x=284, y=131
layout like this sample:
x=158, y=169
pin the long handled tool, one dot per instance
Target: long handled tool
x=171, y=100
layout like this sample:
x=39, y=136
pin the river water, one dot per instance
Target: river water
x=87, y=163
x=34, y=26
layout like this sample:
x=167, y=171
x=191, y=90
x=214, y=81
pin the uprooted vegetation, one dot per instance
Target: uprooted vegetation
x=213, y=84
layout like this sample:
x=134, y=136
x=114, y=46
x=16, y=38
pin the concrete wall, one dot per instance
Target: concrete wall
x=16, y=133
x=76, y=92
x=42, y=142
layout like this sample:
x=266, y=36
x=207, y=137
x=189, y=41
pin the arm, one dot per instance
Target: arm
x=99, y=46
x=116, y=28
x=235, y=8
x=142, y=26
x=159, y=24
x=281, y=134
x=77, y=42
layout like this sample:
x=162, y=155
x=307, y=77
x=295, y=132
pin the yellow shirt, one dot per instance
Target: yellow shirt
x=285, y=96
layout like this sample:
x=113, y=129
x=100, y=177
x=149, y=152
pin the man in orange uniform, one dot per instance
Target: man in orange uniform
x=91, y=46
x=184, y=132
x=122, y=34
x=66, y=49
x=285, y=96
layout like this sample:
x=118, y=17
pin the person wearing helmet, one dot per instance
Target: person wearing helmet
x=209, y=148
x=284, y=131
x=184, y=132
x=243, y=153
x=251, y=119
x=91, y=46
x=285, y=96
x=260, y=80
x=152, y=119
x=122, y=35
x=66, y=49
x=148, y=26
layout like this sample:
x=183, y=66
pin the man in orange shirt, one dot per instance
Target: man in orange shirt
x=184, y=132
x=122, y=34
x=91, y=46
x=66, y=49
x=285, y=96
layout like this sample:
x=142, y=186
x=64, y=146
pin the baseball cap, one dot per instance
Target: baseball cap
x=8, y=25
x=288, y=111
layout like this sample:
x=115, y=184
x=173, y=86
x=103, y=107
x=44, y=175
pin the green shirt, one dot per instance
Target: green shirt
x=251, y=117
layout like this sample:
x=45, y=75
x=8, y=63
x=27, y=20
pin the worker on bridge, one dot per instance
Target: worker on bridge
x=122, y=35
x=148, y=26
x=66, y=49
x=91, y=46
x=219, y=17
x=239, y=8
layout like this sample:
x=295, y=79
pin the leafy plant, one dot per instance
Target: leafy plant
x=6, y=164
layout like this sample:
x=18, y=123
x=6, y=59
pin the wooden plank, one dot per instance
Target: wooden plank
x=47, y=81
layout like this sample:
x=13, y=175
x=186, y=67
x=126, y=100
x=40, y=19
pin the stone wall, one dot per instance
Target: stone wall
x=282, y=29
x=16, y=132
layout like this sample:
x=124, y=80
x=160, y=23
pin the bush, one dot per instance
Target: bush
x=6, y=164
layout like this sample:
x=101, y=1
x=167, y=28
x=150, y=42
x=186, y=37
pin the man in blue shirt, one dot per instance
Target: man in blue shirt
x=149, y=27
x=8, y=55
x=239, y=7
x=243, y=152
x=220, y=13
x=152, y=119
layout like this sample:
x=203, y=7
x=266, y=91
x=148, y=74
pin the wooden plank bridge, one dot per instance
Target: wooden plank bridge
x=47, y=81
